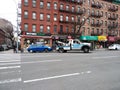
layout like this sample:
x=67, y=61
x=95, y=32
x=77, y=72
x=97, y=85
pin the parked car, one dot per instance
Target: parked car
x=39, y=48
x=114, y=47
x=3, y=47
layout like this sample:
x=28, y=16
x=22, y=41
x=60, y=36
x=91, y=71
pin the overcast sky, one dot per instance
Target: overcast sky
x=8, y=10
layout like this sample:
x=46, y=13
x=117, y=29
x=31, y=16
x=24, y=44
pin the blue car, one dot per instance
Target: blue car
x=39, y=48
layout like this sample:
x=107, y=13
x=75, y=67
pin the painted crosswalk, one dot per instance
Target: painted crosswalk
x=10, y=74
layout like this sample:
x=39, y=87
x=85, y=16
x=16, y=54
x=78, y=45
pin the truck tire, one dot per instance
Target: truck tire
x=86, y=50
x=61, y=50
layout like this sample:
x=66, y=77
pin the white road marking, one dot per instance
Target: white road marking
x=11, y=81
x=2, y=73
x=41, y=61
x=9, y=61
x=45, y=61
x=54, y=77
x=10, y=67
x=105, y=57
x=88, y=72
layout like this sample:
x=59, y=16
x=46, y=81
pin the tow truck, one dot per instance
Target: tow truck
x=73, y=44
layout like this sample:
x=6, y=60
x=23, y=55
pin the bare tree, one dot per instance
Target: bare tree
x=81, y=20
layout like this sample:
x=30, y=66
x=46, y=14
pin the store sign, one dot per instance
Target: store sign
x=33, y=34
x=90, y=38
x=102, y=38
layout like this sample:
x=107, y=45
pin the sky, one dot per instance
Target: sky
x=8, y=10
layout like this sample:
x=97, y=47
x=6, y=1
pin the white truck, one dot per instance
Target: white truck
x=73, y=44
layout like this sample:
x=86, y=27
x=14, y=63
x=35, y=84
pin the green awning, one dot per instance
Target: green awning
x=90, y=38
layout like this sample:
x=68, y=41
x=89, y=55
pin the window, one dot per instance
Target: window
x=105, y=14
x=92, y=31
x=26, y=2
x=48, y=17
x=97, y=31
x=34, y=28
x=61, y=28
x=34, y=15
x=73, y=29
x=93, y=21
x=25, y=14
x=41, y=16
x=61, y=17
x=48, y=29
x=55, y=28
x=55, y=6
x=78, y=10
x=88, y=2
x=83, y=30
x=26, y=27
x=61, y=7
x=67, y=18
x=55, y=17
x=67, y=8
x=67, y=29
x=102, y=13
x=93, y=12
x=88, y=20
x=78, y=18
x=105, y=23
x=48, y=5
x=102, y=22
x=88, y=11
x=73, y=9
x=97, y=13
x=84, y=10
x=73, y=19
x=41, y=28
x=88, y=31
x=34, y=3
x=41, y=4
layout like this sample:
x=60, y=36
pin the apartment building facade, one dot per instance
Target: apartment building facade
x=66, y=17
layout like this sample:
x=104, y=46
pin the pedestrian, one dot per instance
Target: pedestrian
x=14, y=49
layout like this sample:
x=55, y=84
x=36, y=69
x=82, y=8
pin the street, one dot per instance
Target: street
x=97, y=70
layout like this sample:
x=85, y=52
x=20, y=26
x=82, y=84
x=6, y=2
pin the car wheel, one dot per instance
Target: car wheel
x=31, y=51
x=61, y=50
x=86, y=50
x=116, y=49
x=46, y=50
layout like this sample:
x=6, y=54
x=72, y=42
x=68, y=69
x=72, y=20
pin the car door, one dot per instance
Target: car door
x=40, y=48
x=76, y=45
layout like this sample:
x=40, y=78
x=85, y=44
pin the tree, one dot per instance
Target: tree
x=81, y=20
x=6, y=30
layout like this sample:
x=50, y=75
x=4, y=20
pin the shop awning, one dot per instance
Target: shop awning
x=89, y=38
x=111, y=39
x=102, y=38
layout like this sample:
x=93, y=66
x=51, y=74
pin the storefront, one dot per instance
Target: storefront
x=90, y=39
x=29, y=39
x=111, y=40
x=102, y=41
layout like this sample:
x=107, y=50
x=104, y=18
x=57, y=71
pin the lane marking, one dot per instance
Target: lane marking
x=11, y=81
x=105, y=57
x=9, y=61
x=45, y=61
x=54, y=77
x=9, y=72
x=10, y=67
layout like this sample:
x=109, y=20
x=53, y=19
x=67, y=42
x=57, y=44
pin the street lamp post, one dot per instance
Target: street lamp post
x=17, y=37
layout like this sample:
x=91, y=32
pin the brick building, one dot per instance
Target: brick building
x=63, y=17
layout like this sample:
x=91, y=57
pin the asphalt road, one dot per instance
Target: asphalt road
x=98, y=70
